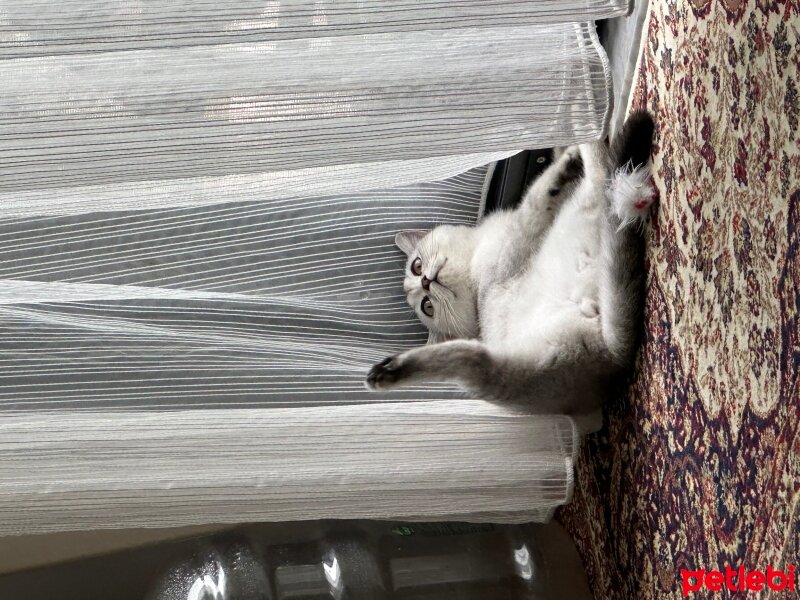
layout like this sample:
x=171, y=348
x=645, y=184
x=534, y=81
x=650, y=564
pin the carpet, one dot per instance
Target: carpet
x=698, y=464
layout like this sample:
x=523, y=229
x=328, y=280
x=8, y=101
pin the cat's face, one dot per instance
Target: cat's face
x=437, y=280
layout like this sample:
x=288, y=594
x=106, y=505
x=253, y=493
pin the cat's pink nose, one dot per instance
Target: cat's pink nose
x=426, y=283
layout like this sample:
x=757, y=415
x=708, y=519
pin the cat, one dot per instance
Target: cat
x=540, y=306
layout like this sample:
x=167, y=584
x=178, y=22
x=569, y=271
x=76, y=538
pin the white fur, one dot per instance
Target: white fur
x=537, y=309
x=521, y=302
x=631, y=195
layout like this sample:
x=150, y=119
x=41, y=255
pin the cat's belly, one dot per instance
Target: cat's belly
x=527, y=323
x=554, y=303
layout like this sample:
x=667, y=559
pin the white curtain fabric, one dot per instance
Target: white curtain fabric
x=285, y=98
x=196, y=262
x=462, y=460
x=280, y=302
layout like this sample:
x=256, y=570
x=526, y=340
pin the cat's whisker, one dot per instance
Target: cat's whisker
x=456, y=321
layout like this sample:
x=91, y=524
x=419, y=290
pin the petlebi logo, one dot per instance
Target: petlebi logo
x=738, y=580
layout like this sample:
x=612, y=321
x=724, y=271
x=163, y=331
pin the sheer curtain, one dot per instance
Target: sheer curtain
x=197, y=268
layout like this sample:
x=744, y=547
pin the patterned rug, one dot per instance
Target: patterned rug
x=699, y=463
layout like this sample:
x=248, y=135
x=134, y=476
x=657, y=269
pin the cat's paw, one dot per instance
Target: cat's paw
x=572, y=164
x=566, y=153
x=568, y=169
x=385, y=374
x=572, y=154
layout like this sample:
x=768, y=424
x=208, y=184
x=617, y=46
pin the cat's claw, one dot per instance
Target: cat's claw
x=384, y=374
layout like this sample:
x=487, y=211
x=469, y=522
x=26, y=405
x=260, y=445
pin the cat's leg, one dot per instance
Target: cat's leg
x=552, y=388
x=595, y=163
x=622, y=270
x=464, y=361
x=547, y=193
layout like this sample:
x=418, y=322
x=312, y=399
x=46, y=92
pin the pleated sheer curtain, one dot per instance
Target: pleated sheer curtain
x=197, y=208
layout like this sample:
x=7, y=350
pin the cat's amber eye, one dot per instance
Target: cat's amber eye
x=416, y=266
x=427, y=306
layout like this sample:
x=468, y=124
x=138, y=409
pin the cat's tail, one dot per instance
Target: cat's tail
x=630, y=196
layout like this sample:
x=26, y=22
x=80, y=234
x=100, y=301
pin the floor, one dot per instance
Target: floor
x=698, y=465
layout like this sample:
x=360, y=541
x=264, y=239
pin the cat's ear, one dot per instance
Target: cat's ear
x=434, y=337
x=408, y=239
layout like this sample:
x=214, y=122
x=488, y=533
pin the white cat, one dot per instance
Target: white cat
x=539, y=305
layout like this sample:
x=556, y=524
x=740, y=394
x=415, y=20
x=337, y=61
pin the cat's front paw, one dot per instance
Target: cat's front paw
x=568, y=169
x=385, y=374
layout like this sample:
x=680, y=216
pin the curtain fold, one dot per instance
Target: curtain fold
x=280, y=302
x=291, y=109
x=444, y=460
x=42, y=27
x=197, y=209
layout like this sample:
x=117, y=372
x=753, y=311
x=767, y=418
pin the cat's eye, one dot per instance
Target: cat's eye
x=416, y=266
x=427, y=306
